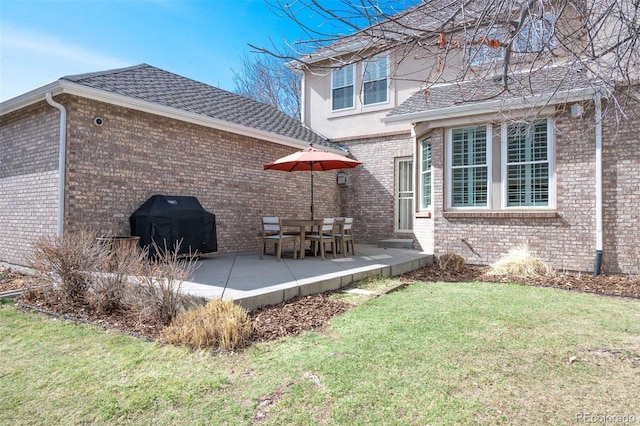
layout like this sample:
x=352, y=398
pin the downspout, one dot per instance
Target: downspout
x=62, y=148
x=599, y=236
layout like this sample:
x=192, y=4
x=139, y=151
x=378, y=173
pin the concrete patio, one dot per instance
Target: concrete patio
x=252, y=282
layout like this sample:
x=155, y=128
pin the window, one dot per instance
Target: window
x=487, y=49
x=524, y=181
x=375, y=81
x=527, y=164
x=342, y=88
x=469, y=167
x=536, y=35
x=425, y=173
x=404, y=194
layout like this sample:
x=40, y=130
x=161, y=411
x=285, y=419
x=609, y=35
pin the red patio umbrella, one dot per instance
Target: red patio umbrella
x=312, y=159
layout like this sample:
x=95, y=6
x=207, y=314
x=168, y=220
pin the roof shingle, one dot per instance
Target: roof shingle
x=548, y=81
x=147, y=83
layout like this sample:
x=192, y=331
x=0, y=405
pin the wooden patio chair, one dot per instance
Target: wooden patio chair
x=344, y=236
x=272, y=231
x=322, y=237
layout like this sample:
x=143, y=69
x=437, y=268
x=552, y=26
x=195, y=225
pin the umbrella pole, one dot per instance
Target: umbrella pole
x=312, y=191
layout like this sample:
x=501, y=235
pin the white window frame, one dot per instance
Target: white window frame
x=397, y=191
x=550, y=159
x=537, y=32
x=422, y=142
x=353, y=85
x=386, y=78
x=479, y=54
x=449, y=169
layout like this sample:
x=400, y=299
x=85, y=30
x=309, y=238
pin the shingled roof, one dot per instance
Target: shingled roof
x=550, y=85
x=147, y=83
x=424, y=20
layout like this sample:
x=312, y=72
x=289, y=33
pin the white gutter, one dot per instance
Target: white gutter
x=599, y=231
x=498, y=105
x=62, y=147
x=63, y=86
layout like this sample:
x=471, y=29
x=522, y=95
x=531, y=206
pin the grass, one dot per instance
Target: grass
x=429, y=354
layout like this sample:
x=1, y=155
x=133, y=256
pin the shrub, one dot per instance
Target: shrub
x=111, y=287
x=451, y=262
x=160, y=290
x=519, y=262
x=67, y=262
x=220, y=323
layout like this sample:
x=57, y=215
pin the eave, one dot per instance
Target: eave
x=494, y=106
x=66, y=87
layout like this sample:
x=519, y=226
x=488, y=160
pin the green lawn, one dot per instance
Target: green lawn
x=429, y=354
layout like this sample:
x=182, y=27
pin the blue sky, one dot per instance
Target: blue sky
x=43, y=40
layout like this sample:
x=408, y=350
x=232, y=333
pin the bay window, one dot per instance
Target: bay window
x=469, y=167
x=524, y=180
x=526, y=166
x=425, y=174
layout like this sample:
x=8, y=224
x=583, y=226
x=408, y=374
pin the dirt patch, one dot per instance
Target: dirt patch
x=266, y=402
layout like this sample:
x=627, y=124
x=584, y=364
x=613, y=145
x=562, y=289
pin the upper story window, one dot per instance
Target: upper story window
x=486, y=49
x=342, y=85
x=425, y=174
x=536, y=34
x=527, y=153
x=469, y=156
x=375, y=80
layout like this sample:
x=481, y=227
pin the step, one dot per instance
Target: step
x=396, y=243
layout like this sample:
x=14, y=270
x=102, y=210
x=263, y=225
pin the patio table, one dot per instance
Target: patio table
x=302, y=225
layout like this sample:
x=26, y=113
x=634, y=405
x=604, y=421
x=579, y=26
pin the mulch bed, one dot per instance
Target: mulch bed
x=612, y=285
x=311, y=312
x=294, y=316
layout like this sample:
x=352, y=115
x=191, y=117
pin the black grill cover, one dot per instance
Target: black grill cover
x=172, y=219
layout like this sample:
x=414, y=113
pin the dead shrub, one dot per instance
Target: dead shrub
x=160, y=296
x=219, y=324
x=112, y=287
x=67, y=263
x=451, y=262
x=519, y=262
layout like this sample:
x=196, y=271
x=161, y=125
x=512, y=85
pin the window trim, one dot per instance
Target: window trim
x=421, y=172
x=537, y=25
x=387, y=72
x=504, y=187
x=353, y=84
x=449, y=173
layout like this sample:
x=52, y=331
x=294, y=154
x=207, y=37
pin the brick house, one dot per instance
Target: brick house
x=454, y=163
x=135, y=132
x=457, y=166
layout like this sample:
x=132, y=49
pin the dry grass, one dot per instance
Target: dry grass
x=219, y=324
x=519, y=262
x=451, y=262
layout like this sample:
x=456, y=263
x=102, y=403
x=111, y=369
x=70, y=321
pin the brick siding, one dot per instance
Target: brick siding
x=370, y=196
x=115, y=167
x=566, y=240
x=28, y=179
